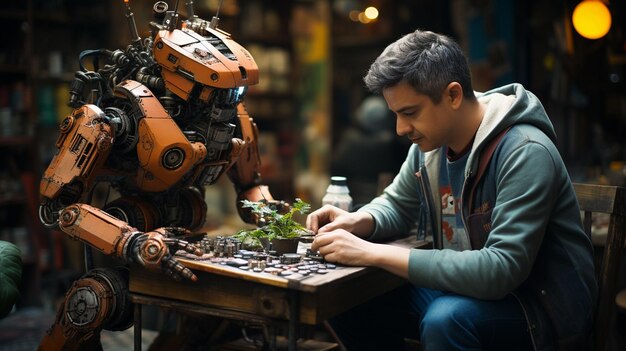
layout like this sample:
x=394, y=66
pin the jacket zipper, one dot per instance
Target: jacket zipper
x=532, y=335
x=463, y=210
x=530, y=327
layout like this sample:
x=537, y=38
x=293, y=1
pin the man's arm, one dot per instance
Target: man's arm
x=343, y=247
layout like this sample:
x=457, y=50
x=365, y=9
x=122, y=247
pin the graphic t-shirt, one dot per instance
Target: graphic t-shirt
x=451, y=178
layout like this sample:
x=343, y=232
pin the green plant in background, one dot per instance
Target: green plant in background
x=273, y=224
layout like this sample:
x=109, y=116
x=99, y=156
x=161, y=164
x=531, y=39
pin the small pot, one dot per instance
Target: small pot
x=282, y=246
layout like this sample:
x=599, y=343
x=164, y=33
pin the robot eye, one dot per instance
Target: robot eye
x=241, y=91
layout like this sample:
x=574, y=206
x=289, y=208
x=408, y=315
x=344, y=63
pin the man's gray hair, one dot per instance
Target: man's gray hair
x=427, y=61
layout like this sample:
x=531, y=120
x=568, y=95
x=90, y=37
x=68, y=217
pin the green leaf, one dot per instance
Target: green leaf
x=277, y=225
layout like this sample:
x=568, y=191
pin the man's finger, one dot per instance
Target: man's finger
x=311, y=223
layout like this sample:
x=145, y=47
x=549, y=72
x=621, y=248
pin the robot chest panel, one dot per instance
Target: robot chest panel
x=164, y=154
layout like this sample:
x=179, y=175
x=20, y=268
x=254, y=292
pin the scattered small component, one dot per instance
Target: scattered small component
x=273, y=271
x=257, y=264
x=314, y=255
x=237, y=262
x=290, y=258
x=224, y=250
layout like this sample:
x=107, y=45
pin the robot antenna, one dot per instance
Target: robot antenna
x=130, y=16
x=190, y=13
x=216, y=19
x=173, y=21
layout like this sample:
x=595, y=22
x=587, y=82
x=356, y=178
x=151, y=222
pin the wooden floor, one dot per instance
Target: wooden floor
x=23, y=330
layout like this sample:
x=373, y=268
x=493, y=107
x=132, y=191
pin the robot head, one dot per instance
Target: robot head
x=200, y=56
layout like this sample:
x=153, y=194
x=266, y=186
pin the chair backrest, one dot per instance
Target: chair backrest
x=612, y=201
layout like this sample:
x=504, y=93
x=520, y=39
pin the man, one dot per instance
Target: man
x=10, y=276
x=512, y=269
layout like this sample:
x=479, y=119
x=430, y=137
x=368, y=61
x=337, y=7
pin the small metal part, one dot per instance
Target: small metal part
x=256, y=264
x=290, y=258
x=271, y=270
x=173, y=158
x=237, y=262
x=229, y=249
x=314, y=255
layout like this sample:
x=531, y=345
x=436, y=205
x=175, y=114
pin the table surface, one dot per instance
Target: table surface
x=223, y=289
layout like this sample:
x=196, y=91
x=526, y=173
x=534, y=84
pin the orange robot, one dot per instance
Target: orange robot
x=157, y=122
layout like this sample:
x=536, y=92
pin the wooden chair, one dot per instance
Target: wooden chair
x=612, y=201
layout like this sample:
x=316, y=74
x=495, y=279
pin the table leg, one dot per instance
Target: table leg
x=294, y=319
x=137, y=330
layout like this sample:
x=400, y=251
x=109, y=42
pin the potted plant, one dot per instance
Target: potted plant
x=279, y=230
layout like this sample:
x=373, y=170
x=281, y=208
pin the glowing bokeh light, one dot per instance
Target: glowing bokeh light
x=591, y=19
x=371, y=13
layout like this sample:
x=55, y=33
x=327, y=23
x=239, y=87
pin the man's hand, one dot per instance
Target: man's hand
x=153, y=250
x=330, y=218
x=343, y=247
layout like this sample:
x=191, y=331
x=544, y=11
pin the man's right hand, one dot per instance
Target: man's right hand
x=329, y=218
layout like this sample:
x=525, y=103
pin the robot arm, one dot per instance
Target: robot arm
x=245, y=171
x=115, y=237
x=84, y=144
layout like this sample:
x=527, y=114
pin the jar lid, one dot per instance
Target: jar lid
x=338, y=180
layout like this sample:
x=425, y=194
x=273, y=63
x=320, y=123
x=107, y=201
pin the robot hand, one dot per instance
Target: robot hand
x=259, y=194
x=153, y=250
x=279, y=206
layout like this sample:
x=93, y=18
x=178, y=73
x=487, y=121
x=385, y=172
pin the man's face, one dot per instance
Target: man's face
x=418, y=118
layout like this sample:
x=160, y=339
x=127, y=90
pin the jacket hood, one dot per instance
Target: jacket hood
x=509, y=105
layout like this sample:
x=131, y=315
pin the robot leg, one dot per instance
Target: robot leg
x=99, y=299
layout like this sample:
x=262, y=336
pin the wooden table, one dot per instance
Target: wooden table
x=262, y=297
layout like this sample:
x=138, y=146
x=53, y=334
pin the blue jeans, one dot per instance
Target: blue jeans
x=440, y=320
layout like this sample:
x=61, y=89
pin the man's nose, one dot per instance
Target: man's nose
x=402, y=128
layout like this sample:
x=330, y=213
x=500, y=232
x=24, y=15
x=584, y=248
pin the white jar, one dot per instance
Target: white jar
x=338, y=194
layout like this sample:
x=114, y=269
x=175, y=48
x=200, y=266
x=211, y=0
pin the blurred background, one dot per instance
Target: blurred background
x=315, y=117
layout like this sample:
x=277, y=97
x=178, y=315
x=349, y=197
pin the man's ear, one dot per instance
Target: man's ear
x=454, y=95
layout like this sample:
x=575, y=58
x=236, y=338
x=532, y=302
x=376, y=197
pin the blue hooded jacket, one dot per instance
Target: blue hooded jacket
x=521, y=217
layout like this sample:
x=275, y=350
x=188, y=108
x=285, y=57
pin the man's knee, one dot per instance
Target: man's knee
x=446, y=317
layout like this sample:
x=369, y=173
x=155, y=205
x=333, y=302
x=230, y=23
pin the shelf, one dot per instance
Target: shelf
x=255, y=94
x=65, y=77
x=13, y=15
x=12, y=69
x=63, y=19
x=360, y=42
x=279, y=40
x=13, y=200
x=16, y=140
